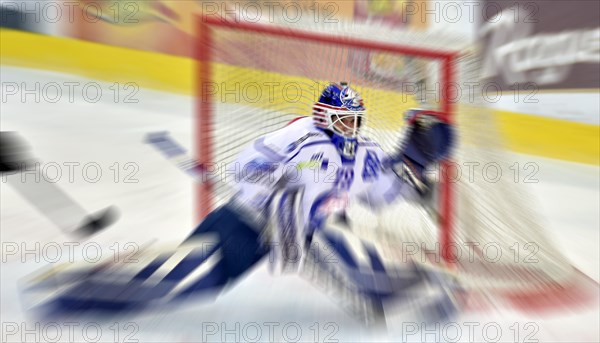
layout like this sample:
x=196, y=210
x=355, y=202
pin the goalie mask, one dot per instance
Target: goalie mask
x=340, y=110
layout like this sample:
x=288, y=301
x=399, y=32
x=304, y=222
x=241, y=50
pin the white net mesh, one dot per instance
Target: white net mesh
x=260, y=82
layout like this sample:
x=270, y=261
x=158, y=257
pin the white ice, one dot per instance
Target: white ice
x=159, y=206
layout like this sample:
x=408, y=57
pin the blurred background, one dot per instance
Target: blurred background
x=84, y=81
x=548, y=48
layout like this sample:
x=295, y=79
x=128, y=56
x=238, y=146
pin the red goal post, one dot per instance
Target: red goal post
x=244, y=75
x=204, y=125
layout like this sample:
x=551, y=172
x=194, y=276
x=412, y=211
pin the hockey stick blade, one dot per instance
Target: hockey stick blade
x=48, y=198
x=176, y=154
x=95, y=223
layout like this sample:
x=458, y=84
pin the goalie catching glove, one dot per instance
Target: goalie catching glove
x=428, y=140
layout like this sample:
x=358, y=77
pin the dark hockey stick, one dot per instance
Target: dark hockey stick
x=48, y=198
x=177, y=155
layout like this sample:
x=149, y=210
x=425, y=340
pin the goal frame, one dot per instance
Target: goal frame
x=204, y=114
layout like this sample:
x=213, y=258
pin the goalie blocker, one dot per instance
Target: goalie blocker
x=427, y=141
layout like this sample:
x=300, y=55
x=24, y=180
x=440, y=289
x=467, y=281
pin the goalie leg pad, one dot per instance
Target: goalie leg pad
x=364, y=276
x=239, y=242
x=199, y=266
x=359, y=262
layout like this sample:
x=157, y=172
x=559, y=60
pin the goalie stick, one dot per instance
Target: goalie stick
x=177, y=155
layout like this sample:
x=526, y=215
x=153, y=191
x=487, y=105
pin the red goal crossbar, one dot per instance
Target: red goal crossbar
x=204, y=115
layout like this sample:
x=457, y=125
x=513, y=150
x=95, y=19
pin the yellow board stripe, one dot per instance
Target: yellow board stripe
x=529, y=134
x=97, y=61
x=297, y=94
x=549, y=137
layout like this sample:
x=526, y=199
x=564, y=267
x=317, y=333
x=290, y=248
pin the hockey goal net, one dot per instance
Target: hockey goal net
x=255, y=78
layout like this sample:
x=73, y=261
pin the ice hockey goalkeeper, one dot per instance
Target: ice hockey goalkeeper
x=289, y=200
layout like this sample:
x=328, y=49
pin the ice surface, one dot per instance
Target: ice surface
x=159, y=206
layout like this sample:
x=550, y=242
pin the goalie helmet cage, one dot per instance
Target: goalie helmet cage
x=253, y=79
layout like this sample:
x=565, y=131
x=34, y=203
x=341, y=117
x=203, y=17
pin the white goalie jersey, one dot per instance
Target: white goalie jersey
x=315, y=181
